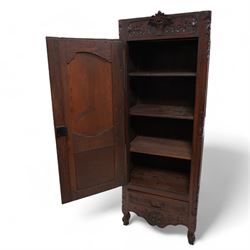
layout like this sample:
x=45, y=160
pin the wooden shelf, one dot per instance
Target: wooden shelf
x=164, y=111
x=171, y=183
x=161, y=74
x=162, y=147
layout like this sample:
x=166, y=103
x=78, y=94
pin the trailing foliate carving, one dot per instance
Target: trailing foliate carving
x=136, y=30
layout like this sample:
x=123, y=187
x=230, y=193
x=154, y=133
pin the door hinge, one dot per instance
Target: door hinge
x=61, y=131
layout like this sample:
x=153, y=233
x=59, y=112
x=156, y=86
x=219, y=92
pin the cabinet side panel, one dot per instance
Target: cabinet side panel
x=199, y=114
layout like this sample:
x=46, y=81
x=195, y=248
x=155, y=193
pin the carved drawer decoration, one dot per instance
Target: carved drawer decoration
x=157, y=211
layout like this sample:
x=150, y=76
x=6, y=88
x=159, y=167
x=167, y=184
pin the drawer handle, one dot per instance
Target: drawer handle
x=156, y=204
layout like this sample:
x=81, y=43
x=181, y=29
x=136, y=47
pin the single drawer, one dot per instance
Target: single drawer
x=158, y=210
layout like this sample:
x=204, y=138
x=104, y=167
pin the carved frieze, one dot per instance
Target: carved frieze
x=161, y=24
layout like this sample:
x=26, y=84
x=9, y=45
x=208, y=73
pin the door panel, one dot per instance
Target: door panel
x=87, y=73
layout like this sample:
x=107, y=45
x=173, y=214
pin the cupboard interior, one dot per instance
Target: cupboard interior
x=161, y=88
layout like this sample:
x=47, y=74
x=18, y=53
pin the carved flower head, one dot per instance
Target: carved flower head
x=159, y=19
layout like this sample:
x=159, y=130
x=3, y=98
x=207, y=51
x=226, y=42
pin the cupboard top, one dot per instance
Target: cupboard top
x=160, y=26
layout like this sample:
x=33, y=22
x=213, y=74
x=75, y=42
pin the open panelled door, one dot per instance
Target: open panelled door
x=88, y=105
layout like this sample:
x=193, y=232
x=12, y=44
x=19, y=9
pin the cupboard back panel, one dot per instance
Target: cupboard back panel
x=162, y=90
x=161, y=175
x=161, y=127
x=160, y=162
x=163, y=55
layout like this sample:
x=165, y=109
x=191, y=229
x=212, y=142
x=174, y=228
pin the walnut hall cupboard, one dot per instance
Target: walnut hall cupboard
x=130, y=112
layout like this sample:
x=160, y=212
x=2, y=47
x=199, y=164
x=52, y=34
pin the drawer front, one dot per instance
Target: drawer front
x=158, y=210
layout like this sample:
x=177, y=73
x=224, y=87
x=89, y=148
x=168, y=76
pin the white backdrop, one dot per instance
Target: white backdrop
x=31, y=216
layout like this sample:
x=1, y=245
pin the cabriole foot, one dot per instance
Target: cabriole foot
x=125, y=218
x=191, y=237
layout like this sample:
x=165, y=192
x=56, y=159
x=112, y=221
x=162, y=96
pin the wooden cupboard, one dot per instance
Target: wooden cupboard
x=130, y=112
